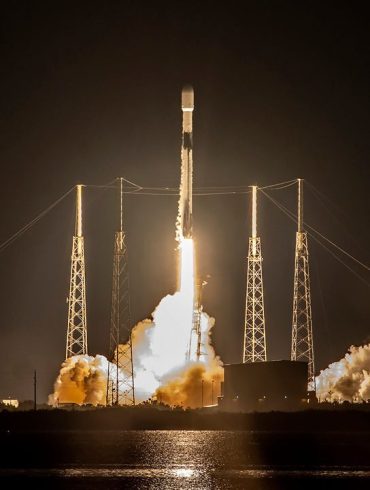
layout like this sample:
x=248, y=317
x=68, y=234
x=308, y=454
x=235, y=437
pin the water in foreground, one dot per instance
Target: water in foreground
x=185, y=460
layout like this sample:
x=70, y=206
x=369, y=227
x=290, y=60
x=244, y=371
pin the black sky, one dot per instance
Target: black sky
x=91, y=91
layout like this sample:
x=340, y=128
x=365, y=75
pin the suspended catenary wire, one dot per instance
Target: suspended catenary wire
x=135, y=189
x=26, y=227
x=131, y=188
x=292, y=216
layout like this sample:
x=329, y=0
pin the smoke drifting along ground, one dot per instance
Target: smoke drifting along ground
x=82, y=380
x=347, y=379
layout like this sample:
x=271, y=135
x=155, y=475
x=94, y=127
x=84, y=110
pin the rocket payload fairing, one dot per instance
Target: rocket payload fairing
x=186, y=188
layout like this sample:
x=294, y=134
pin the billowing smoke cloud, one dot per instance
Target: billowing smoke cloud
x=160, y=357
x=347, y=379
x=82, y=380
x=194, y=387
x=161, y=368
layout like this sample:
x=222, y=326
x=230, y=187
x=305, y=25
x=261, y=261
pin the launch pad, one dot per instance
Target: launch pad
x=256, y=384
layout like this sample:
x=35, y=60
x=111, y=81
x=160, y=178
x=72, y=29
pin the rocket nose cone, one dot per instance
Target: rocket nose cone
x=187, y=98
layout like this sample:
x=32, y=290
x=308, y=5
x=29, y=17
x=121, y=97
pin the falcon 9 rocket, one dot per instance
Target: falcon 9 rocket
x=186, y=187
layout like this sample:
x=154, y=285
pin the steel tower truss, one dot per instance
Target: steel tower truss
x=254, y=326
x=77, y=326
x=302, y=338
x=120, y=333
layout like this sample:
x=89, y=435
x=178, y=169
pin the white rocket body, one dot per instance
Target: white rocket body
x=186, y=188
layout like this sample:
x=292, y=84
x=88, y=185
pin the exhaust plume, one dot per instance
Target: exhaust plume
x=347, y=379
x=160, y=347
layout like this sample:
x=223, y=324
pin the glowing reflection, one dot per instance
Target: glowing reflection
x=184, y=473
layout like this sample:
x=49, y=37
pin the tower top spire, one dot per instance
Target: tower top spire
x=300, y=205
x=78, y=230
x=254, y=211
x=121, y=203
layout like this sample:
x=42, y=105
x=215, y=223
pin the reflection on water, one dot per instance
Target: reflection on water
x=185, y=472
x=186, y=460
x=188, y=478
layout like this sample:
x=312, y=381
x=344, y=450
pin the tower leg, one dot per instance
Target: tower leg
x=120, y=334
x=77, y=327
x=302, y=338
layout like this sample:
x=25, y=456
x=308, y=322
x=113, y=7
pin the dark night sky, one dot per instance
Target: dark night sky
x=92, y=92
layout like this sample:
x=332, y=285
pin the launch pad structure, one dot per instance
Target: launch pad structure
x=77, y=324
x=121, y=385
x=302, y=337
x=122, y=391
x=254, y=325
x=273, y=385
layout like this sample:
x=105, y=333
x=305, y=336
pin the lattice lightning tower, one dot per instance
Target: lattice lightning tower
x=120, y=332
x=77, y=327
x=302, y=339
x=254, y=327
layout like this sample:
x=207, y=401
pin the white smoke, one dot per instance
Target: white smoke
x=160, y=360
x=160, y=346
x=347, y=379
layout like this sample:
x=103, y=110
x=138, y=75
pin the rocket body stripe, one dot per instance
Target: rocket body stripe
x=186, y=188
